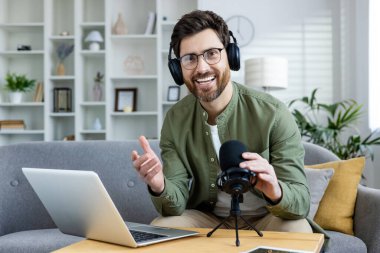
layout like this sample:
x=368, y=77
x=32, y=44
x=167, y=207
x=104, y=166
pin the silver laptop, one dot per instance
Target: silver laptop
x=80, y=205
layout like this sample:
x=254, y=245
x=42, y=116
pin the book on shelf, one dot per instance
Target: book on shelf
x=39, y=93
x=12, y=125
x=151, y=22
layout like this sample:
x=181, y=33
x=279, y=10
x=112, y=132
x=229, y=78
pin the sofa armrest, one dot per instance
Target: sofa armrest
x=367, y=218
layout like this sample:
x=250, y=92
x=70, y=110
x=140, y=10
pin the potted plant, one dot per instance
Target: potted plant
x=17, y=85
x=333, y=126
x=97, y=89
x=63, y=51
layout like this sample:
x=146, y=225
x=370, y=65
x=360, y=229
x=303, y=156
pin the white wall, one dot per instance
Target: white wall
x=301, y=31
x=340, y=29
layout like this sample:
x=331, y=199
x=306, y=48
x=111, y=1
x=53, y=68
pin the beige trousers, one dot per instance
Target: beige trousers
x=194, y=218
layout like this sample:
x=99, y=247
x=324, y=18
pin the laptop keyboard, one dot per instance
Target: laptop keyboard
x=140, y=236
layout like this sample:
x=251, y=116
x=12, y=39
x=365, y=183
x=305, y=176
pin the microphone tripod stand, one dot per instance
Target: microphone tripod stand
x=235, y=213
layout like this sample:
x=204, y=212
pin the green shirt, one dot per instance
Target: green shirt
x=190, y=163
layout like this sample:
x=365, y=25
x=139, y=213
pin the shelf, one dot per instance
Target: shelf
x=62, y=78
x=22, y=27
x=24, y=104
x=169, y=103
x=93, y=132
x=133, y=36
x=123, y=78
x=15, y=53
x=93, y=24
x=62, y=114
x=128, y=114
x=90, y=103
x=24, y=132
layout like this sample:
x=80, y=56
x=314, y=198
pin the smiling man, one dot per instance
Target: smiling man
x=183, y=187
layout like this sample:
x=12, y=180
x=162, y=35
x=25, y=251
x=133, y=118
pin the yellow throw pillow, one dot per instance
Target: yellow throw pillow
x=336, y=209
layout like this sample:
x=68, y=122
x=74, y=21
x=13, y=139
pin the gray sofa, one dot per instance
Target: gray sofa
x=25, y=226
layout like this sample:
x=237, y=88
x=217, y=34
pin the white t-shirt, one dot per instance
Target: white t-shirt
x=251, y=205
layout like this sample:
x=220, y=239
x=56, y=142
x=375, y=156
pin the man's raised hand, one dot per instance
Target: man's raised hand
x=149, y=166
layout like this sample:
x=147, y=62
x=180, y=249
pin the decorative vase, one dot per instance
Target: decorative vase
x=15, y=97
x=60, y=69
x=119, y=27
x=97, y=125
x=97, y=91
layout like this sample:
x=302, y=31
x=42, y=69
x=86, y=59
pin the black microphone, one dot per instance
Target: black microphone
x=233, y=179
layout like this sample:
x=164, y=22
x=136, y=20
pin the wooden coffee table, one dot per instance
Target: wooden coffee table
x=223, y=240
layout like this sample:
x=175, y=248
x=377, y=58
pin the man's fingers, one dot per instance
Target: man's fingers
x=134, y=155
x=145, y=144
x=250, y=156
x=151, y=172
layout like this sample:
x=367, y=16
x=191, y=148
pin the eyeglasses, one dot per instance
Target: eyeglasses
x=211, y=56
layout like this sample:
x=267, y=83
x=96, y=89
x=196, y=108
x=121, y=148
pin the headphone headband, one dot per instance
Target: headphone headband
x=170, y=52
x=233, y=37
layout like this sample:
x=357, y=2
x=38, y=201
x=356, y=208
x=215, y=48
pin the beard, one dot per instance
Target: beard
x=212, y=93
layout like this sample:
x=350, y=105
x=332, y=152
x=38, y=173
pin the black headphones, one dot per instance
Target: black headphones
x=233, y=56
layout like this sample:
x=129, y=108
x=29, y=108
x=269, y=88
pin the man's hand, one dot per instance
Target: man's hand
x=266, y=178
x=149, y=167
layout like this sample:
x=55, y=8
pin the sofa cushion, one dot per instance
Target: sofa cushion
x=336, y=208
x=318, y=180
x=43, y=240
x=342, y=243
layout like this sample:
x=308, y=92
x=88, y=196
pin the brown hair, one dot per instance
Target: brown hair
x=197, y=21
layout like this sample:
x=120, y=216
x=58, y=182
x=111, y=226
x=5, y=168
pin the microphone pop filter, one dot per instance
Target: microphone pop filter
x=230, y=154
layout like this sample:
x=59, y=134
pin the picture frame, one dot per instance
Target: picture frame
x=125, y=99
x=62, y=100
x=173, y=93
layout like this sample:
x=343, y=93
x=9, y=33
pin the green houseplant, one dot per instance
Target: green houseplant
x=333, y=126
x=17, y=85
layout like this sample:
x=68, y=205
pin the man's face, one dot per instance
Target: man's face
x=205, y=81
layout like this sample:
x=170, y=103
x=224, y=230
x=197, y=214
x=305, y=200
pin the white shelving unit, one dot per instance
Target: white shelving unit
x=22, y=26
x=40, y=24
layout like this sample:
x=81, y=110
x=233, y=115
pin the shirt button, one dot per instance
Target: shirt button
x=204, y=113
x=206, y=133
x=212, y=159
x=212, y=185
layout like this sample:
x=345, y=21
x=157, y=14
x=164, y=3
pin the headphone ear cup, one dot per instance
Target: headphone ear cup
x=233, y=55
x=176, y=71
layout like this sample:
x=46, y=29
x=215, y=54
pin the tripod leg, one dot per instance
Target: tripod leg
x=251, y=226
x=220, y=224
x=237, y=232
